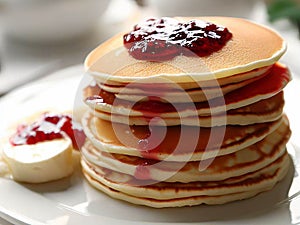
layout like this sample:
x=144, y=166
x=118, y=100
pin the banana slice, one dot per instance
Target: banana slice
x=40, y=162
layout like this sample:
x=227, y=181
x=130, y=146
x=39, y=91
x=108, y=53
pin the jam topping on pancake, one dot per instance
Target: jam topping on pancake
x=163, y=39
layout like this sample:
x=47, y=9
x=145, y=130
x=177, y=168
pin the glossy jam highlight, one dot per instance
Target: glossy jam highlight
x=163, y=39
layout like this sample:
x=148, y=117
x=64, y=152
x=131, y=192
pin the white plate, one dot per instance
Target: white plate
x=73, y=201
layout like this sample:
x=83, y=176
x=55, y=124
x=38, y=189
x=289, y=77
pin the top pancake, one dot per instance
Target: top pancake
x=252, y=46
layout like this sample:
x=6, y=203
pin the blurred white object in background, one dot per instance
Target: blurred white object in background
x=50, y=20
x=232, y=8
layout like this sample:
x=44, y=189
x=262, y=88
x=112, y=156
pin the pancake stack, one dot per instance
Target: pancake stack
x=188, y=130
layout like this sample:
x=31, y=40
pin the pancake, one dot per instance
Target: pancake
x=196, y=91
x=115, y=86
x=243, y=53
x=256, y=88
x=178, y=143
x=260, y=112
x=165, y=194
x=235, y=164
x=249, y=94
x=189, y=201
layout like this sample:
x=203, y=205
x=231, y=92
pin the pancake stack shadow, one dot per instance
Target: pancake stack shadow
x=169, y=142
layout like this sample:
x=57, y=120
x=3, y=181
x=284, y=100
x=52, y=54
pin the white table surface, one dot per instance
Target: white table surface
x=28, y=60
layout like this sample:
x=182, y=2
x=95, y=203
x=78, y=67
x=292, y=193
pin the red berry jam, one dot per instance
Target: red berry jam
x=163, y=39
x=48, y=127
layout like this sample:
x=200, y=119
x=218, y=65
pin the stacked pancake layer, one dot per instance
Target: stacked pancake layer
x=169, y=134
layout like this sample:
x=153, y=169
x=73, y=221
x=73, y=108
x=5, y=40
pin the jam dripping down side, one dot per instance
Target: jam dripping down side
x=151, y=107
x=165, y=38
x=142, y=172
x=49, y=127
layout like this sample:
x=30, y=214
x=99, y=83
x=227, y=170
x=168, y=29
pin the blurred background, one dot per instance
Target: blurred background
x=38, y=37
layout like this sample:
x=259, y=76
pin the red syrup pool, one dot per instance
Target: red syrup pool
x=49, y=127
x=163, y=39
